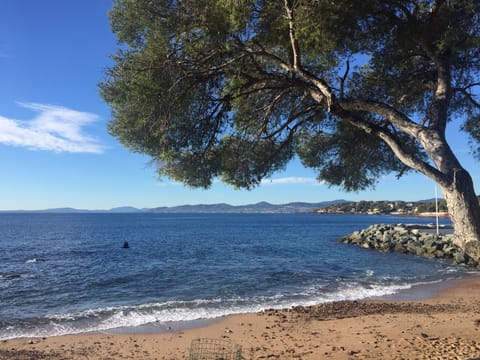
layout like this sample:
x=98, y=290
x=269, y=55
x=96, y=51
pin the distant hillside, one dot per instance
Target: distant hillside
x=124, y=209
x=422, y=207
x=261, y=207
x=222, y=208
x=65, y=210
x=324, y=207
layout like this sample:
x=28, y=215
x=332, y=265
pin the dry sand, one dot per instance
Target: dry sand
x=446, y=326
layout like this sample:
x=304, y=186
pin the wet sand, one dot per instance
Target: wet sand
x=445, y=326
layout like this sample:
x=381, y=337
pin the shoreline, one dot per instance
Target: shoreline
x=433, y=215
x=443, y=325
x=414, y=292
x=426, y=291
x=418, y=292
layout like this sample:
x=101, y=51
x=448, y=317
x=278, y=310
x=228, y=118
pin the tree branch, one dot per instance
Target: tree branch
x=442, y=92
x=269, y=110
x=290, y=120
x=395, y=145
x=437, y=5
x=264, y=54
x=394, y=116
x=322, y=91
x=469, y=96
x=289, y=8
x=343, y=79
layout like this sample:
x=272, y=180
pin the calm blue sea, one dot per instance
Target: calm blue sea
x=68, y=273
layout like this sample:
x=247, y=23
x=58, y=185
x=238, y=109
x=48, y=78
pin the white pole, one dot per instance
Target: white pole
x=436, y=206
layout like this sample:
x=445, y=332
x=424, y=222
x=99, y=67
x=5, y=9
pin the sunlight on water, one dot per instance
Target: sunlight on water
x=68, y=273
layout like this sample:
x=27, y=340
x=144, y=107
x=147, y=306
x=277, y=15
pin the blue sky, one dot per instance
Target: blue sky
x=55, y=150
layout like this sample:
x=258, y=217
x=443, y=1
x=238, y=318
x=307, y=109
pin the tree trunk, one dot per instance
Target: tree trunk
x=464, y=211
x=458, y=190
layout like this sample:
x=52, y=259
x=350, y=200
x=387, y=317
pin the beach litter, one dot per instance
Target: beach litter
x=214, y=349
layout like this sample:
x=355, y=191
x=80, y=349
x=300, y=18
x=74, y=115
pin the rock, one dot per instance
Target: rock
x=419, y=252
x=459, y=258
x=472, y=250
x=412, y=239
x=399, y=248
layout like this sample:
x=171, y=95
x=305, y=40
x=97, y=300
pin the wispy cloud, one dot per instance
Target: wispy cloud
x=54, y=128
x=289, y=180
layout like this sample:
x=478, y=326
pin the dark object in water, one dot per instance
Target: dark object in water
x=10, y=276
x=125, y=245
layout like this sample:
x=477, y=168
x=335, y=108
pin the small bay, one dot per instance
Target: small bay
x=68, y=273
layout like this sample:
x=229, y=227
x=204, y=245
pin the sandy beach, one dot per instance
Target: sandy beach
x=444, y=326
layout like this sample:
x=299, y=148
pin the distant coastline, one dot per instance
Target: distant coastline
x=422, y=208
x=425, y=208
x=221, y=208
x=441, y=214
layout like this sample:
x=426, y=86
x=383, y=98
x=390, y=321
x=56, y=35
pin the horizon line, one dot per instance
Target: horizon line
x=135, y=208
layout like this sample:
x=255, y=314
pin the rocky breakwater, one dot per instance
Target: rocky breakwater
x=420, y=240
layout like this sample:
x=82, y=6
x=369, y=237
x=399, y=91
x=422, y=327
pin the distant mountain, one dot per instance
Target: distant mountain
x=221, y=208
x=261, y=207
x=201, y=208
x=429, y=200
x=64, y=210
x=124, y=209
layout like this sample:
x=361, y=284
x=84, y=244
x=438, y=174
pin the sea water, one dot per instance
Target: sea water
x=68, y=273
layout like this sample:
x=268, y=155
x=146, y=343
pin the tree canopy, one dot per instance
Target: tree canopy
x=234, y=89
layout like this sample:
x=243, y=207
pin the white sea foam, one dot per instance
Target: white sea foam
x=369, y=272
x=357, y=292
x=109, y=318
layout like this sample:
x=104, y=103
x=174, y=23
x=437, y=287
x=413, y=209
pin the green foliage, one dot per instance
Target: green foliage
x=431, y=206
x=472, y=127
x=347, y=157
x=387, y=207
x=206, y=87
x=245, y=163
